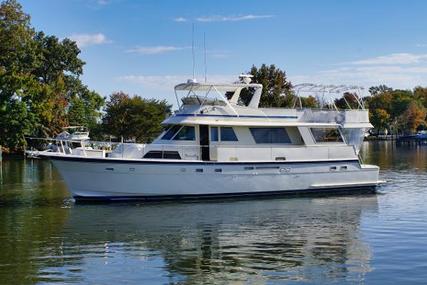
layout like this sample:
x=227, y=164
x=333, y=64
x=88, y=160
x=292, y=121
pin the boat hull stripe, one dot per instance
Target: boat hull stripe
x=235, y=116
x=337, y=190
x=180, y=162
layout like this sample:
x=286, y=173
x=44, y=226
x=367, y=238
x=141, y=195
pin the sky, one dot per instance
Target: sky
x=144, y=47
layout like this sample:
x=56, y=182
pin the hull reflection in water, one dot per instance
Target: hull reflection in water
x=313, y=239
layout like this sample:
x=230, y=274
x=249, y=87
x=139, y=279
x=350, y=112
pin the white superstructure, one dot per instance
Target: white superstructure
x=225, y=145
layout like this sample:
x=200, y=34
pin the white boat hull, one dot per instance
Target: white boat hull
x=91, y=178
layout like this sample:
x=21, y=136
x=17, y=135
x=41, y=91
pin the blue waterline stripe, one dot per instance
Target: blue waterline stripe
x=183, y=197
x=235, y=116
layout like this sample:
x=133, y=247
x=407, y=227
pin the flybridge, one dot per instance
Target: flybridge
x=220, y=104
x=227, y=93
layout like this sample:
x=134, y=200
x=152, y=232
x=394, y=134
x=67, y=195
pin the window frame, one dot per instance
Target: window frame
x=170, y=129
x=192, y=140
x=234, y=133
x=338, y=130
x=162, y=154
x=289, y=141
x=217, y=133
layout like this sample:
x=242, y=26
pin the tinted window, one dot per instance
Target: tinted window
x=214, y=134
x=153, y=154
x=270, y=135
x=171, y=155
x=162, y=154
x=187, y=133
x=326, y=135
x=227, y=134
x=169, y=134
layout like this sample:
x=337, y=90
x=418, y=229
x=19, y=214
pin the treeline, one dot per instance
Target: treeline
x=397, y=111
x=391, y=110
x=41, y=93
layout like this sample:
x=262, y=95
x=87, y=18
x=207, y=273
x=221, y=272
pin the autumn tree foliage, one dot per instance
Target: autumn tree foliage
x=40, y=89
x=402, y=111
x=412, y=118
x=134, y=118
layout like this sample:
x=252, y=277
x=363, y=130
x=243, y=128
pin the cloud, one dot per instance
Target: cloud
x=180, y=19
x=392, y=59
x=102, y=2
x=220, y=18
x=398, y=70
x=421, y=45
x=394, y=76
x=155, y=49
x=84, y=40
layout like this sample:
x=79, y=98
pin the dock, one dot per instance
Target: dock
x=412, y=140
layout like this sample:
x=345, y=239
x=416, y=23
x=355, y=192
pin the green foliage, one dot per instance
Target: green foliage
x=276, y=88
x=420, y=94
x=309, y=102
x=347, y=101
x=39, y=81
x=379, y=118
x=413, y=117
x=375, y=90
x=401, y=111
x=134, y=118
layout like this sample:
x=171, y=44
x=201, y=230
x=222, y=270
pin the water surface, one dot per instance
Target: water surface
x=361, y=239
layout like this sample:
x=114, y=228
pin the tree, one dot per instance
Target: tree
x=420, y=94
x=17, y=57
x=347, y=101
x=276, y=89
x=39, y=81
x=375, y=90
x=413, y=117
x=310, y=102
x=134, y=118
x=379, y=119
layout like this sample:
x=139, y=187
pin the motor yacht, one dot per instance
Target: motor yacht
x=218, y=145
x=73, y=140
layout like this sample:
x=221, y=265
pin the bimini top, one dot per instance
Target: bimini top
x=229, y=93
x=192, y=85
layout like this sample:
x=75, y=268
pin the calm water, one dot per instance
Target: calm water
x=364, y=239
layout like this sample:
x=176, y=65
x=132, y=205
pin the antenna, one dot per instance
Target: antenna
x=204, y=47
x=192, y=51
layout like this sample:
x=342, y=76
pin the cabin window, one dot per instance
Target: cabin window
x=187, y=133
x=228, y=135
x=321, y=135
x=169, y=133
x=214, y=134
x=270, y=135
x=162, y=154
x=153, y=154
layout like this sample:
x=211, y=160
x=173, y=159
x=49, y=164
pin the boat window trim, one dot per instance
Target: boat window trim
x=217, y=134
x=285, y=133
x=194, y=128
x=234, y=133
x=173, y=135
x=328, y=142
